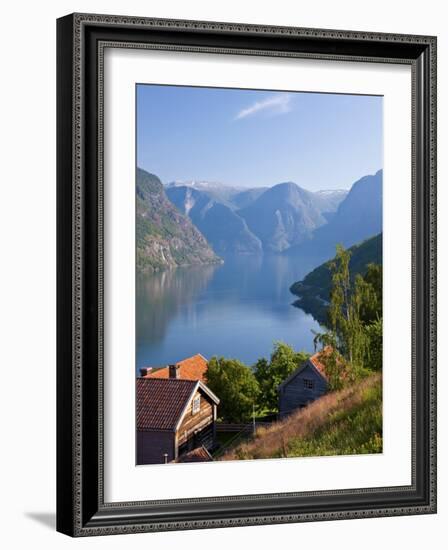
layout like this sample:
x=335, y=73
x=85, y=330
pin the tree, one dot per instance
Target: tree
x=355, y=321
x=371, y=286
x=374, y=357
x=269, y=375
x=236, y=387
x=337, y=370
x=345, y=310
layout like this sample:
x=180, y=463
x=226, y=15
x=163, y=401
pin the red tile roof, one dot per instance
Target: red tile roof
x=160, y=402
x=192, y=368
x=316, y=361
x=317, y=358
x=200, y=454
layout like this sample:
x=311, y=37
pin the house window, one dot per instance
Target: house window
x=196, y=404
x=308, y=384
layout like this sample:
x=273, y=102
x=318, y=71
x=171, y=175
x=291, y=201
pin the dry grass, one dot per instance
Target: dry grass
x=325, y=414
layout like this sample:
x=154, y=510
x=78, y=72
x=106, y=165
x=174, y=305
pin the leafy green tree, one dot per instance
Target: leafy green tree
x=374, y=276
x=262, y=375
x=374, y=357
x=371, y=287
x=345, y=310
x=235, y=385
x=284, y=360
x=355, y=321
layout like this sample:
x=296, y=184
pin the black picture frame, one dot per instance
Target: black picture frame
x=81, y=510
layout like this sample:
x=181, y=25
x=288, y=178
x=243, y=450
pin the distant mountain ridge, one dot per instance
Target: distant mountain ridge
x=212, y=189
x=240, y=197
x=329, y=200
x=231, y=196
x=284, y=218
x=164, y=237
x=358, y=217
x=224, y=229
x=253, y=220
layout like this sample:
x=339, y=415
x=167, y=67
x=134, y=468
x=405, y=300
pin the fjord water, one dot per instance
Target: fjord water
x=237, y=309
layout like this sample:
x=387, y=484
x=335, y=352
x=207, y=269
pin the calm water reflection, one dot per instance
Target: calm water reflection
x=237, y=309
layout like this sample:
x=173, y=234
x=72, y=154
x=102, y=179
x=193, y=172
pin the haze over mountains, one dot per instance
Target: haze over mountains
x=284, y=218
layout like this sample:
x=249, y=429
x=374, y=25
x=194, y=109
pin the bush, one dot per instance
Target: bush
x=235, y=385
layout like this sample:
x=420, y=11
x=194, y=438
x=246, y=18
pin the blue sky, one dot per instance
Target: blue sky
x=254, y=138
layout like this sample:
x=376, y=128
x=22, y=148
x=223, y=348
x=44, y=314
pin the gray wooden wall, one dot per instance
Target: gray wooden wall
x=294, y=394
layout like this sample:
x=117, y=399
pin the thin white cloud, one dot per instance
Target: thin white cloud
x=275, y=105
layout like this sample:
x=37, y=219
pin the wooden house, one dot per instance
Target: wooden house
x=191, y=368
x=174, y=417
x=304, y=385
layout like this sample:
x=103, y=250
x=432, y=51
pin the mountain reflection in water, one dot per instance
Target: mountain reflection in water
x=236, y=309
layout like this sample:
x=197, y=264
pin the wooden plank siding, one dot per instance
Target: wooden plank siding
x=295, y=393
x=195, y=428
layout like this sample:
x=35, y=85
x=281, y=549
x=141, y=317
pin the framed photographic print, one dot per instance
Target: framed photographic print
x=246, y=274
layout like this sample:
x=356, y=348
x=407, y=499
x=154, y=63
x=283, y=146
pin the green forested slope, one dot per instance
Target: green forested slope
x=314, y=290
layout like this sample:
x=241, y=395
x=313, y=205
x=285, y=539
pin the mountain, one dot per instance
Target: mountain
x=248, y=196
x=283, y=216
x=214, y=190
x=233, y=197
x=314, y=290
x=224, y=229
x=165, y=238
x=358, y=217
x=329, y=200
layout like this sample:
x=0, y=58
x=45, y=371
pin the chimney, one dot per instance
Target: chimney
x=174, y=371
x=145, y=370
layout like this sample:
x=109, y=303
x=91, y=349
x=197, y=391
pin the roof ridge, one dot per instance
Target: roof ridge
x=182, y=380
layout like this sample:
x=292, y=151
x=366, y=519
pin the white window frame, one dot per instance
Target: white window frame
x=196, y=404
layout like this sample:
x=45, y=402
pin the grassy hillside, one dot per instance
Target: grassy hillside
x=345, y=422
x=314, y=290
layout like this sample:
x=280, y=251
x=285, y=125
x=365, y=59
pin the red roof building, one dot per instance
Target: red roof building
x=174, y=417
x=191, y=368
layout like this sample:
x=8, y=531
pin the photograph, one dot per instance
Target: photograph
x=259, y=274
